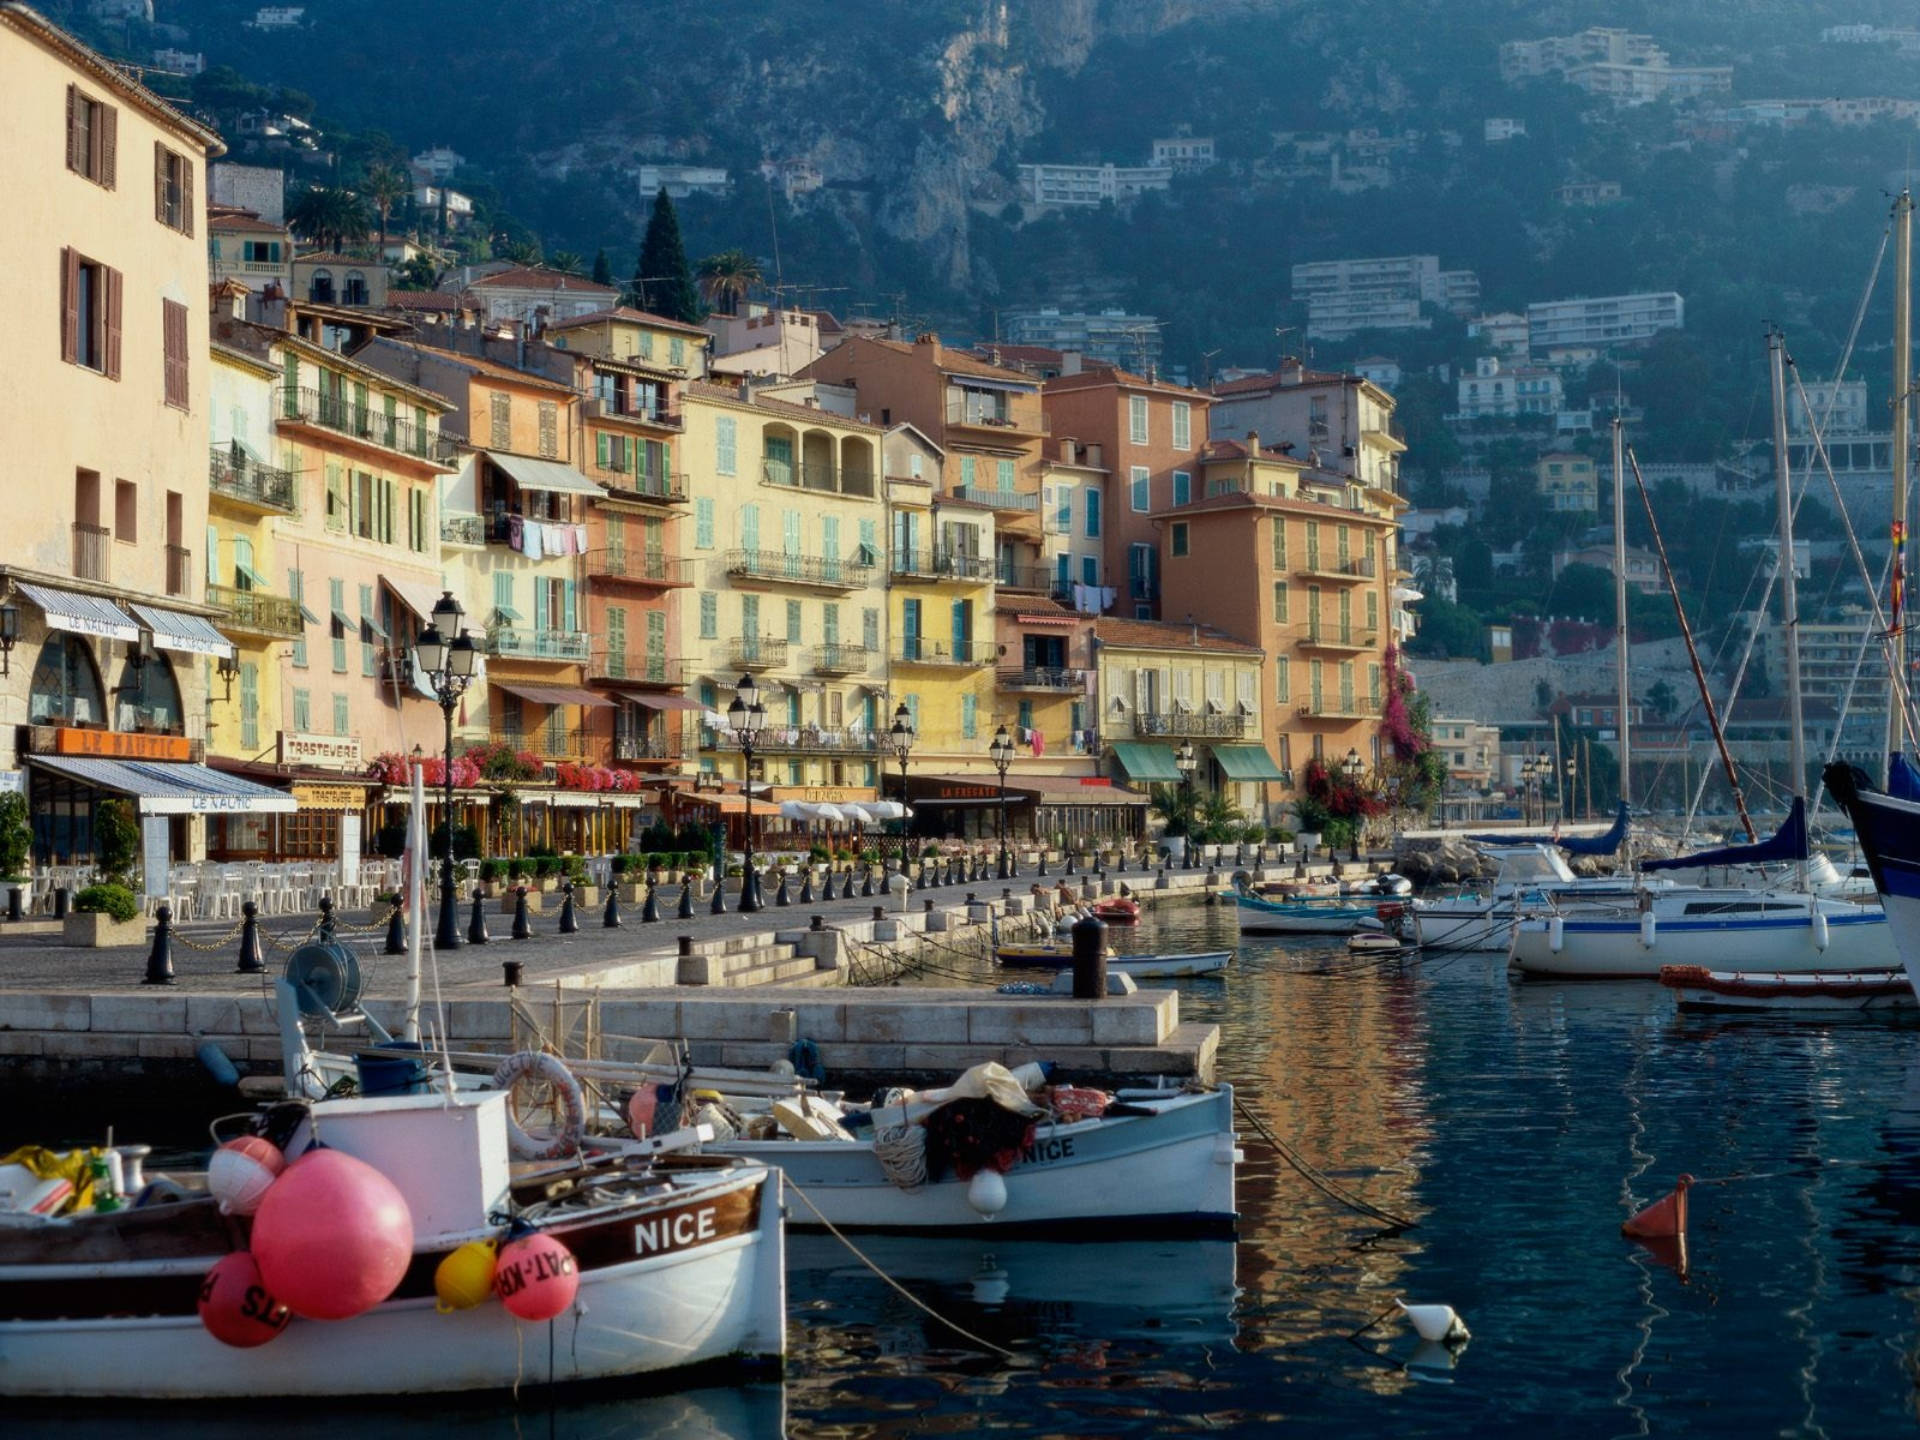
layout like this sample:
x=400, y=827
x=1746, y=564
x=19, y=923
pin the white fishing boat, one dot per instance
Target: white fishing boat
x=1765, y=992
x=1480, y=917
x=677, y=1265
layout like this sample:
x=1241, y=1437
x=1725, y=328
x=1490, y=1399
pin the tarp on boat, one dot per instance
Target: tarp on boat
x=1573, y=844
x=1903, y=781
x=1785, y=845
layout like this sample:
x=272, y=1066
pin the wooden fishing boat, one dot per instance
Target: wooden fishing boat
x=1058, y=955
x=676, y=1266
x=1117, y=910
x=1328, y=915
x=1697, y=988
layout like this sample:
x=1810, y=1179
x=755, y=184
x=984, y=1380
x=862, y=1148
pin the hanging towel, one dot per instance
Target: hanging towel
x=579, y=539
x=1039, y=742
x=532, y=535
x=1107, y=597
x=516, y=528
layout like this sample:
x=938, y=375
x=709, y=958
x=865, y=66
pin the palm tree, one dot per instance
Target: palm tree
x=725, y=279
x=566, y=262
x=385, y=187
x=331, y=217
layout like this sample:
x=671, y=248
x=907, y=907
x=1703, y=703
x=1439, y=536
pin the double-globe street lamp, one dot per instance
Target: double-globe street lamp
x=900, y=737
x=1185, y=762
x=446, y=655
x=1001, y=752
x=1356, y=767
x=746, y=717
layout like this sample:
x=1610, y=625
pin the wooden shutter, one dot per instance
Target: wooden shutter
x=106, y=144
x=173, y=335
x=112, y=288
x=76, y=156
x=70, y=305
x=160, y=182
x=186, y=197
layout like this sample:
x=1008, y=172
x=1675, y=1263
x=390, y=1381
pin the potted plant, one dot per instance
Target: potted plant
x=546, y=872
x=520, y=872
x=1176, y=805
x=104, y=915
x=489, y=877
x=574, y=871
x=16, y=842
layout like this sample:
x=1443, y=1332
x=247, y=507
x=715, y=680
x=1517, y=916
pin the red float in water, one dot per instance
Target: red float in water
x=236, y=1307
x=536, y=1277
x=333, y=1236
x=1665, y=1218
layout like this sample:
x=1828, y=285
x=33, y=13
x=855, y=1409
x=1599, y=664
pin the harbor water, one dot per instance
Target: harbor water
x=1516, y=1126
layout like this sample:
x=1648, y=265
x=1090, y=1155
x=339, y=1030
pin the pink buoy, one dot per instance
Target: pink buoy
x=333, y=1236
x=240, y=1172
x=640, y=1108
x=236, y=1307
x=536, y=1277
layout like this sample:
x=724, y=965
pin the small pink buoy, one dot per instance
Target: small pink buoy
x=536, y=1277
x=1664, y=1219
x=333, y=1236
x=236, y=1307
x=641, y=1106
x=240, y=1172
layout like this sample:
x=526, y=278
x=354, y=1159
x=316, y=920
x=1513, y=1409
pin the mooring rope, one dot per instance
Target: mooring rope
x=1318, y=1179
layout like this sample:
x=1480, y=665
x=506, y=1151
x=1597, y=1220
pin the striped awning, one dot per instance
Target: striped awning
x=81, y=614
x=554, y=694
x=548, y=475
x=162, y=788
x=175, y=630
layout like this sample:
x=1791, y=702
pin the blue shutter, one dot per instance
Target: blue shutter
x=703, y=523
x=969, y=712
x=567, y=605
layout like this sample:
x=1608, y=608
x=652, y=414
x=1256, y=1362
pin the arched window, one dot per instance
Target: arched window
x=65, y=689
x=320, y=288
x=148, y=697
x=355, y=291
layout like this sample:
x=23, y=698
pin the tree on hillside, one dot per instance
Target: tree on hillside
x=662, y=282
x=567, y=262
x=384, y=188
x=331, y=217
x=727, y=278
x=602, y=269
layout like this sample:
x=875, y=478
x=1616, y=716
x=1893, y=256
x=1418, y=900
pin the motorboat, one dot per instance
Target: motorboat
x=1058, y=955
x=1117, y=910
x=1305, y=914
x=1763, y=992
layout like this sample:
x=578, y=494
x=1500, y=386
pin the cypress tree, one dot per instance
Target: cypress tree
x=663, y=282
x=602, y=269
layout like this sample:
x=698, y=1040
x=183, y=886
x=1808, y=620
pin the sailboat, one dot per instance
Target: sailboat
x=1790, y=928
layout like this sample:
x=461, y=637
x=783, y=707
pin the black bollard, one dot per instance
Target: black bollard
x=477, y=926
x=62, y=902
x=1090, y=959
x=522, y=926
x=326, y=918
x=396, y=933
x=1070, y=862
x=510, y=973
x=719, y=905
x=1120, y=861
x=780, y=896
x=926, y=873
x=610, y=916
x=160, y=960
x=685, y=912
x=827, y=892
x=15, y=909
x=252, y=962
x=886, y=877
x=806, y=886
x=1043, y=860
x=569, y=922
x=866, y=890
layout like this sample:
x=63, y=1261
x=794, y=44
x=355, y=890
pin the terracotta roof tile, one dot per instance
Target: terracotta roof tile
x=250, y=224
x=700, y=390
x=626, y=312
x=1168, y=635
x=1255, y=384
x=438, y=300
x=526, y=277
x=957, y=362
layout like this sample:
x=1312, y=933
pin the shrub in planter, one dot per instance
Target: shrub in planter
x=489, y=871
x=818, y=853
x=519, y=868
x=116, y=838
x=617, y=863
x=108, y=899
x=545, y=866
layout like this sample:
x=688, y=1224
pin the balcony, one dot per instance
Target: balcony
x=646, y=568
x=995, y=420
x=818, y=572
x=750, y=652
x=1346, y=707
x=839, y=659
x=463, y=530
x=648, y=487
x=662, y=416
x=232, y=476
x=179, y=571
x=546, y=742
x=1192, y=725
x=339, y=414
x=1040, y=579
x=92, y=544
x=647, y=671
x=798, y=740
x=1363, y=567
x=997, y=499
x=1061, y=681
x=1338, y=637
x=255, y=612
x=646, y=747
x=938, y=565
x=820, y=475
x=925, y=650
x=512, y=643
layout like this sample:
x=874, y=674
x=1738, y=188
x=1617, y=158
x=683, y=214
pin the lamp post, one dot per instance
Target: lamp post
x=745, y=717
x=1001, y=751
x=1566, y=795
x=446, y=653
x=900, y=738
x=1355, y=767
x=9, y=634
x=1536, y=774
x=1185, y=762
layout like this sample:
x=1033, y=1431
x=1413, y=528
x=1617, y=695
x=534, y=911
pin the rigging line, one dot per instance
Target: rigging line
x=1317, y=1178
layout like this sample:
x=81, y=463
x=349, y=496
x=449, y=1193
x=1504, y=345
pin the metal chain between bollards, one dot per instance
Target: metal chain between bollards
x=221, y=943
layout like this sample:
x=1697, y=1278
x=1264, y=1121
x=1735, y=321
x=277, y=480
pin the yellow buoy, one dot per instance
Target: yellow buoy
x=465, y=1278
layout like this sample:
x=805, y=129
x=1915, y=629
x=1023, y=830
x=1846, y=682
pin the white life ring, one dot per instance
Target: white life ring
x=537, y=1064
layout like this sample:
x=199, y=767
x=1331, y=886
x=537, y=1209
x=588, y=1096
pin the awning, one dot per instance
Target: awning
x=548, y=475
x=554, y=694
x=254, y=577
x=1247, y=762
x=591, y=799
x=306, y=614
x=1064, y=790
x=984, y=382
x=1146, y=762
x=344, y=620
x=728, y=804
x=660, y=702
x=173, y=630
x=81, y=614
x=372, y=623
x=172, y=789
x=418, y=598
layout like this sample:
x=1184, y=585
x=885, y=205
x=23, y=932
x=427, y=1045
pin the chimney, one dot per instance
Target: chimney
x=1253, y=442
x=1093, y=456
x=1070, y=362
x=1068, y=449
x=1291, y=370
x=932, y=342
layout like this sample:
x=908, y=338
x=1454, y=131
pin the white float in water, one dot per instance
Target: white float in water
x=1438, y=1323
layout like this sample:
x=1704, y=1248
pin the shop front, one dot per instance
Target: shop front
x=967, y=807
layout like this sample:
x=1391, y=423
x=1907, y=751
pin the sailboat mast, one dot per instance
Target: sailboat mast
x=1622, y=699
x=1789, y=600
x=1902, y=444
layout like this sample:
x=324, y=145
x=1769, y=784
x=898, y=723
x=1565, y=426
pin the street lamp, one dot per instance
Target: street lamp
x=1001, y=751
x=1572, y=790
x=1355, y=767
x=900, y=740
x=445, y=653
x=1536, y=771
x=1186, y=764
x=746, y=716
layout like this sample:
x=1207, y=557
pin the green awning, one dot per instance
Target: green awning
x=1146, y=762
x=1247, y=762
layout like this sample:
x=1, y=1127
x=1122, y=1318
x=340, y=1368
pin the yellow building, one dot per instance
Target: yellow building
x=789, y=568
x=943, y=650
x=1567, y=482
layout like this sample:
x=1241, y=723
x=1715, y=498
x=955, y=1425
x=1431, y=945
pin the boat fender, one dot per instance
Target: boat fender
x=1649, y=928
x=236, y=1308
x=987, y=1192
x=1822, y=937
x=1243, y=881
x=240, y=1172
x=215, y=1061
x=464, y=1278
x=1556, y=934
x=536, y=1277
x=537, y=1064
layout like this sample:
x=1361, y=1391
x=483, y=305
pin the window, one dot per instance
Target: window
x=1182, y=487
x=676, y=352
x=297, y=592
x=90, y=314
x=709, y=616
x=830, y=624
x=703, y=523
x=173, y=349
x=1141, y=489
x=870, y=629
x=1063, y=514
x=1089, y=570
x=172, y=189
x=1137, y=419
x=92, y=134
x=967, y=468
x=353, y=289
x=339, y=714
x=419, y=520
x=126, y=512
x=1182, y=425
x=1093, y=513
x=303, y=710
x=1373, y=611
x=369, y=629
x=750, y=619
x=500, y=414
x=1177, y=539
x=793, y=622
x=1373, y=686
x=617, y=641
x=1317, y=431
x=549, y=429
x=750, y=527
x=969, y=717
x=337, y=604
x=726, y=438
x=1003, y=474
x=250, y=706
x=1280, y=602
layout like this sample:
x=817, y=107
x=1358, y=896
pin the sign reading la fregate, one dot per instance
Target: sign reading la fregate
x=332, y=752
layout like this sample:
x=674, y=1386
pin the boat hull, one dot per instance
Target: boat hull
x=1613, y=948
x=1140, y=967
x=677, y=1306
x=1767, y=993
x=1173, y=1170
x=1485, y=926
x=1304, y=917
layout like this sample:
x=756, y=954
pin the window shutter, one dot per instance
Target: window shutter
x=75, y=160
x=70, y=305
x=106, y=133
x=173, y=336
x=159, y=182
x=112, y=287
x=186, y=197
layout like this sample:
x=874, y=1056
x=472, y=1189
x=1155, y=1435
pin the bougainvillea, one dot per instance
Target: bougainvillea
x=1395, y=723
x=393, y=767
x=571, y=776
x=500, y=761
